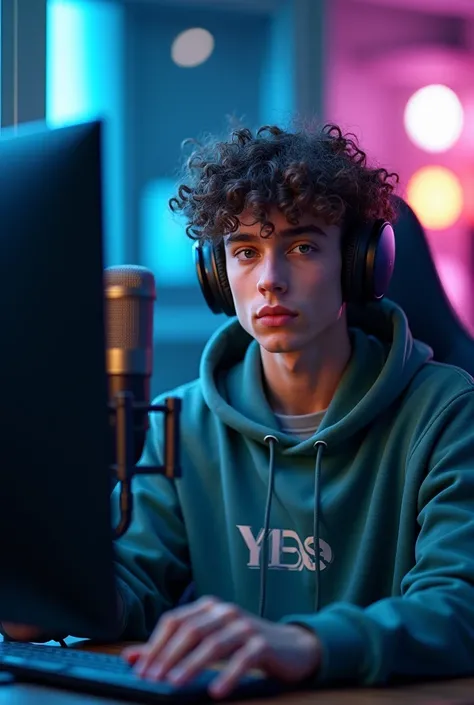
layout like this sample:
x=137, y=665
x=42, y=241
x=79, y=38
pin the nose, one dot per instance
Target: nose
x=272, y=277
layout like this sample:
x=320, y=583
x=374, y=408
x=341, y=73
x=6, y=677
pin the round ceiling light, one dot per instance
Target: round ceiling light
x=192, y=47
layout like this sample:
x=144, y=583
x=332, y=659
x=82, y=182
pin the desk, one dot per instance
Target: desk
x=454, y=692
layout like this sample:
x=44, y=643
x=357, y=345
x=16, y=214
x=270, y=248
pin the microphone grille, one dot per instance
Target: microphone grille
x=130, y=293
x=134, y=278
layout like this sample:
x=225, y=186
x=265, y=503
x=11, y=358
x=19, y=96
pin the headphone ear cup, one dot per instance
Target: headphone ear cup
x=381, y=260
x=369, y=259
x=209, y=262
x=225, y=293
x=201, y=257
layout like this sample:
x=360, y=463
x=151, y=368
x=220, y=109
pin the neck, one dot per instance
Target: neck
x=305, y=382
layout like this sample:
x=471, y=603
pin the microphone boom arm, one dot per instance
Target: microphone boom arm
x=125, y=467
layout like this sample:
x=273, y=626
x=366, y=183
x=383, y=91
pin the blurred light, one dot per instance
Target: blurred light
x=469, y=197
x=455, y=279
x=85, y=46
x=436, y=196
x=434, y=118
x=165, y=248
x=192, y=47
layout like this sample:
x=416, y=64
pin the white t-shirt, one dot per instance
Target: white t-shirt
x=302, y=426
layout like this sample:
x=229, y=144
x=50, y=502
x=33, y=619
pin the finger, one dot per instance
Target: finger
x=166, y=627
x=131, y=654
x=183, y=613
x=252, y=655
x=132, y=649
x=190, y=635
x=215, y=647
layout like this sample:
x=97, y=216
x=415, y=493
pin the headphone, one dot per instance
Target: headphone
x=368, y=263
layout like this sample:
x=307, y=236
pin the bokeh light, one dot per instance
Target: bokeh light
x=468, y=182
x=456, y=281
x=192, y=47
x=434, y=118
x=435, y=194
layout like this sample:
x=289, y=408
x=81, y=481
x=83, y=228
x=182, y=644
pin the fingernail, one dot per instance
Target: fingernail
x=175, y=675
x=218, y=688
x=140, y=667
x=158, y=671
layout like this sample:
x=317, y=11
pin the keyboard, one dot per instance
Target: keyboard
x=111, y=676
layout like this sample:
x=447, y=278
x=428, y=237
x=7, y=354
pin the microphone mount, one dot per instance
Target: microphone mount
x=125, y=468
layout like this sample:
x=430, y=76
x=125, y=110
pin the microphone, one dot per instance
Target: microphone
x=130, y=294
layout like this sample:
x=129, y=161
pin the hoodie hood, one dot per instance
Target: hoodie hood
x=384, y=360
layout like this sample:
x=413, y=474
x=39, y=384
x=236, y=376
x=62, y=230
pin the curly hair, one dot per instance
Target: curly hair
x=321, y=172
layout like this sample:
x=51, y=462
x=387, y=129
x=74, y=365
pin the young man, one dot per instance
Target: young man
x=325, y=510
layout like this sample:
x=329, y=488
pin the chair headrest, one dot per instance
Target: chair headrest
x=417, y=288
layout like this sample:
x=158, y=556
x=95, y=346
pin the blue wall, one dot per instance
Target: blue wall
x=171, y=103
x=23, y=62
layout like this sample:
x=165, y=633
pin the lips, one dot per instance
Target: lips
x=271, y=317
x=266, y=311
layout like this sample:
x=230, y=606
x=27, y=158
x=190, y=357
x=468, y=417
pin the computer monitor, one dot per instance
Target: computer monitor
x=56, y=547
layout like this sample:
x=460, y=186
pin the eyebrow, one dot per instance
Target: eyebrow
x=287, y=232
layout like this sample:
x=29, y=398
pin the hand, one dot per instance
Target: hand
x=191, y=638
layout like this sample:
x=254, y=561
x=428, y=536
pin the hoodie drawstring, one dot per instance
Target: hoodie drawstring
x=272, y=441
x=319, y=447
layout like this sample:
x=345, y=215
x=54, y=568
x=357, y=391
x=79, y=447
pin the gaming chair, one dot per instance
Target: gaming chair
x=417, y=288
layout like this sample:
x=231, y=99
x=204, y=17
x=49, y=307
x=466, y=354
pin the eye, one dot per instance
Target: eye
x=305, y=248
x=245, y=254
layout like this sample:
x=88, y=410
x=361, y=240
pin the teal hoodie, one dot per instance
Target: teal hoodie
x=385, y=488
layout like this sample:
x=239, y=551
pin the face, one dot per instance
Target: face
x=286, y=287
